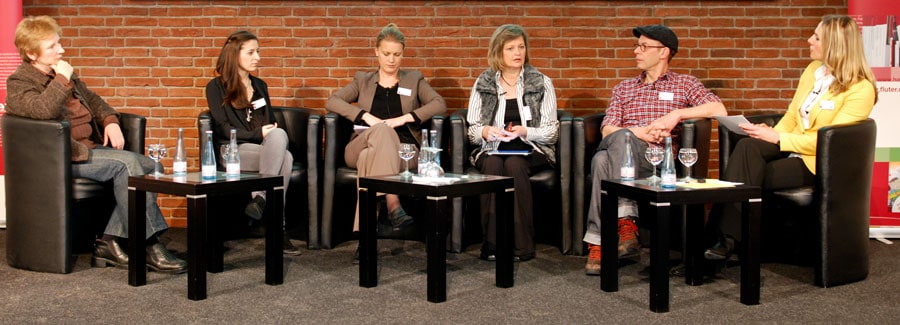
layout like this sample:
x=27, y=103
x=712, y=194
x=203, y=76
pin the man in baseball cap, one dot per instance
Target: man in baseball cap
x=659, y=33
x=648, y=106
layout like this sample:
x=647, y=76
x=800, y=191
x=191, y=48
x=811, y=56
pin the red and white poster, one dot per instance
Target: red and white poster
x=10, y=15
x=878, y=23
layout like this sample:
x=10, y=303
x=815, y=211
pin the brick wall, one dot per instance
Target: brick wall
x=155, y=57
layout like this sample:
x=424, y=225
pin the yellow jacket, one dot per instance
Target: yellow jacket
x=852, y=105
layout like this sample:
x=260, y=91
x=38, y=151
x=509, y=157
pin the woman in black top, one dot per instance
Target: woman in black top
x=238, y=100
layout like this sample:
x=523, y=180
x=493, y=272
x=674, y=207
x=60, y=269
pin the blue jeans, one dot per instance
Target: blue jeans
x=107, y=164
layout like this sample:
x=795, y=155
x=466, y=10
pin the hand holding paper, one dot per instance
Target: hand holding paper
x=733, y=122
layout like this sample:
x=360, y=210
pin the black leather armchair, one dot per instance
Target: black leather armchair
x=339, y=181
x=695, y=133
x=552, y=185
x=304, y=131
x=50, y=214
x=826, y=225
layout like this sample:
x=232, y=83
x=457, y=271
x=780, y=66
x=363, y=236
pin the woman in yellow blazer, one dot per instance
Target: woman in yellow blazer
x=837, y=87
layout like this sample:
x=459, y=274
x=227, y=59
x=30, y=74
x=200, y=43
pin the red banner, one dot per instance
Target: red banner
x=10, y=15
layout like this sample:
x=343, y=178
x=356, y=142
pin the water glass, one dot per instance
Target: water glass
x=407, y=151
x=156, y=152
x=688, y=157
x=654, y=154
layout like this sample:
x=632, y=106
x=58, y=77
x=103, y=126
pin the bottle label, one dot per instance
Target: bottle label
x=627, y=173
x=233, y=169
x=180, y=167
x=668, y=180
x=208, y=171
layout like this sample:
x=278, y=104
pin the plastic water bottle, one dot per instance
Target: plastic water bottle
x=208, y=159
x=627, y=170
x=180, y=160
x=668, y=167
x=233, y=157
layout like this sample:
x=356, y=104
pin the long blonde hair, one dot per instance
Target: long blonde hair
x=843, y=53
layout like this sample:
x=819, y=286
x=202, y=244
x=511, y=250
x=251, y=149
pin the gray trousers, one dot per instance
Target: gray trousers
x=605, y=165
x=270, y=157
x=107, y=164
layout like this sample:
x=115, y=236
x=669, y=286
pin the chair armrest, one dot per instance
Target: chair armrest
x=696, y=134
x=38, y=186
x=134, y=130
x=845, y=157
x=459, y=142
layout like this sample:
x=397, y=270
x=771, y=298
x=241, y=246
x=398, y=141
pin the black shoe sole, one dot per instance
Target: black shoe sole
x=167, y=271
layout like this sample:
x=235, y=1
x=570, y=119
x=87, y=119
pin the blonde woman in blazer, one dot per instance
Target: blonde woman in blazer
x=837, y=87
x=393, y=103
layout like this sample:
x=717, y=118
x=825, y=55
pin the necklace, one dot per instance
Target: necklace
x=507, y=82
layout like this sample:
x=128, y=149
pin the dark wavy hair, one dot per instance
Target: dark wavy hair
x=228, y=67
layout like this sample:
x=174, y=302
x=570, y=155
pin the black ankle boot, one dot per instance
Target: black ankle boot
x=160, y=259
x=107, y=252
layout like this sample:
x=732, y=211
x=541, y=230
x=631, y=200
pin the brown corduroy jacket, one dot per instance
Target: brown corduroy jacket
x=31, y=93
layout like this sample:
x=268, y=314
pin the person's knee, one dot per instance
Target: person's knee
x=516, y=167
x=277, y=136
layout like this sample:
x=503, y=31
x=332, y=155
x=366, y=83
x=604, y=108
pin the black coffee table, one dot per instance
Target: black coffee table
x=203, y=236
x=654, y=205
x=439, y=211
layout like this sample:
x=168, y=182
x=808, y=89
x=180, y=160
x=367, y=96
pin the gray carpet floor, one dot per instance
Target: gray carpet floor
x=322, y=287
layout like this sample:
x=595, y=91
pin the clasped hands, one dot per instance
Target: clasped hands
x=371, y=120
x=493, y=133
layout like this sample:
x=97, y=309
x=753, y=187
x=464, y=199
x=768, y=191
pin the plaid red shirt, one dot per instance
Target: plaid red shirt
x=635, y=103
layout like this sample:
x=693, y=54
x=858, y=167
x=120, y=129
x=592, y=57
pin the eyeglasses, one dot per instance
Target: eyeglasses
x=645, y=46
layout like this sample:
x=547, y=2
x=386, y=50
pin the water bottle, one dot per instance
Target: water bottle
x=180, y=164
x=208, y=159
x=668, y=167
x=627, y=169
x=423, y=160
x=233, y=157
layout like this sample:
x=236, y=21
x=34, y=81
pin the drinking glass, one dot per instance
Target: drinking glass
x=688, y=157
x=655, y=156
x=407, y=151
x=156, y=152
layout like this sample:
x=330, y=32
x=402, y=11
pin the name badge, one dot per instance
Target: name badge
x=404, y=91
x=259, y=103
x=665, y=95
x=826, y=104
x=526, y=113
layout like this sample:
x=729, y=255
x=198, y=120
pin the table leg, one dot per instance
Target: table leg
x=215, y=244
x=137, y=234
x=693, y=250
x=436, y=247
x=750, y=212
x=609, y=239
x=504, y=275
x=274, y=219
x=368, y=242
x=196, y=213
x=659, y=257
